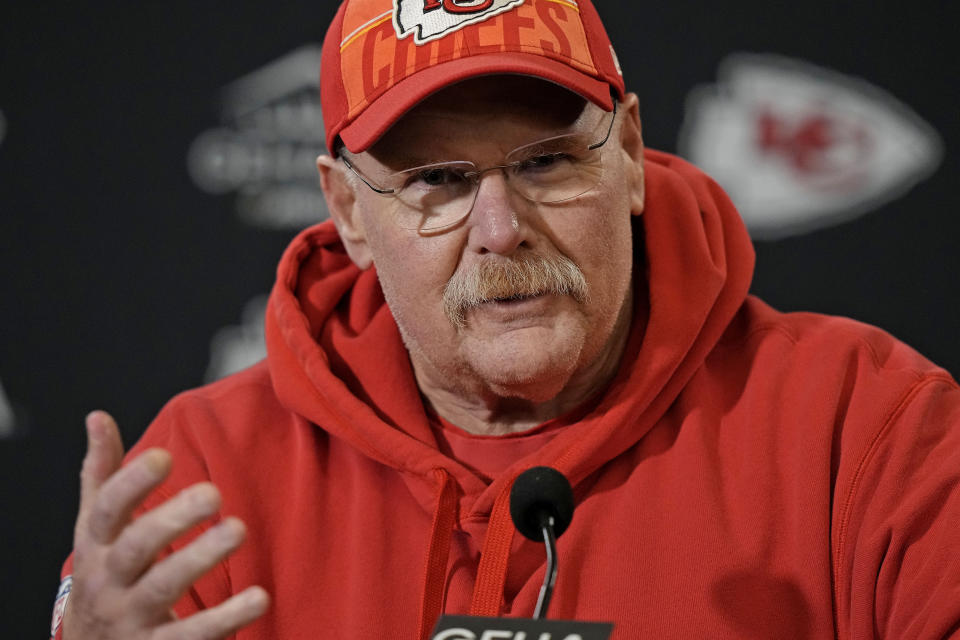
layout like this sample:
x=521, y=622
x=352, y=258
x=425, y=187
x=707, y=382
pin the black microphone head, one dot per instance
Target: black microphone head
x=537, y=491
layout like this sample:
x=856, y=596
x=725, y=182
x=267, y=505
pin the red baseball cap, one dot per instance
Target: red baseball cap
x=382, y=57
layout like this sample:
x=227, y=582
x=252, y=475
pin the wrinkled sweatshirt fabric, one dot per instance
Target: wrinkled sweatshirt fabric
x=747, y=474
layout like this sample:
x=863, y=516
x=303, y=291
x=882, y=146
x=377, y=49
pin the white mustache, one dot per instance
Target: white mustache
x=529, y=274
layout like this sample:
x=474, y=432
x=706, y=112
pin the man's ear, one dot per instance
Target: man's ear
x=342, y=203
x=631, y=140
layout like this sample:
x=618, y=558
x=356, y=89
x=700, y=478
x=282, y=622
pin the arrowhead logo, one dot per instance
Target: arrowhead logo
x=800, y=148
x=432, y=19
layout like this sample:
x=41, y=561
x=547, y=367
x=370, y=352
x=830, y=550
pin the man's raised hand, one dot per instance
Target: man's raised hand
x=119, y=590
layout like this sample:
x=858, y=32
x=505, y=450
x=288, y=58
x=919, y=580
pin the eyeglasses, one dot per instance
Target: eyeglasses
x=439, y=195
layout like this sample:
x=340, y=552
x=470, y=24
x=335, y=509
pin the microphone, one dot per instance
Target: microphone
x=541, y=506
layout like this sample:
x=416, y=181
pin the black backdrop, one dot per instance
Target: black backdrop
x=117, y=269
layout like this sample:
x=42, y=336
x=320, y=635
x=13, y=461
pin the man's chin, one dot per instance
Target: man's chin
x=525, y=361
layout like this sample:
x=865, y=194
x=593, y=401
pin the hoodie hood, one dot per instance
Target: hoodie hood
x=336, y=356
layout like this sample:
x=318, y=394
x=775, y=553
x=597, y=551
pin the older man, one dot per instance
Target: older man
x=511, y=280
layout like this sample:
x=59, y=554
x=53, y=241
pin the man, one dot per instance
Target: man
x=511, y=280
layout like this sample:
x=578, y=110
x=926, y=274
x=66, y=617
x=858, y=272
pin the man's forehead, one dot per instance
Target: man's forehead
x=490, y=103
x=517, y=92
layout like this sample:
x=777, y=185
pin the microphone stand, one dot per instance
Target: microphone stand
x=550, y=577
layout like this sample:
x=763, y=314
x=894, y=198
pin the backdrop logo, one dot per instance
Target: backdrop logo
x=432, y=19
x=3, y=127
x=238, y=346
x=8, y=416
x=799, y=147
x=266, y=144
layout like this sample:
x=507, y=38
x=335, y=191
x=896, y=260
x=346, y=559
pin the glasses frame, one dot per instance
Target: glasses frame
x=475, y=175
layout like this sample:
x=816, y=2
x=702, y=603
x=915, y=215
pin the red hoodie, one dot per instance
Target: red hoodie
x=748, y=474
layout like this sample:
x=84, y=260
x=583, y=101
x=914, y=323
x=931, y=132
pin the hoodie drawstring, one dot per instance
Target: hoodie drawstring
x=492, y=572
x=438, y=552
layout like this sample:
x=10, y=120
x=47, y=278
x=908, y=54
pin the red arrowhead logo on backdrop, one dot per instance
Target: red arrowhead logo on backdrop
x=800, y=148
x=432, y=19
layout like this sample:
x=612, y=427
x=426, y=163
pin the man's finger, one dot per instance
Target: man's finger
x=104, y=456
x=166, y=581
x=116, y=499
x=137, y=546
x=220, y=621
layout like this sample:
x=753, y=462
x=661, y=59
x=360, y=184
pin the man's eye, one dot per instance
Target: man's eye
x=544, y=161
x=437, y=177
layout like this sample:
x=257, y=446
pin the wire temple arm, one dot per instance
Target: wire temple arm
x=609, y=128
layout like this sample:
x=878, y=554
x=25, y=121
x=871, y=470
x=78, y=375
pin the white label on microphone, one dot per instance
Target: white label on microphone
x=475, y=628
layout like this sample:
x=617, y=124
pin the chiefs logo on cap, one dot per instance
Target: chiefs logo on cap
x=432, y=19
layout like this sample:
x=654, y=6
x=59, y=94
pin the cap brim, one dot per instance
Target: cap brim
x=374, y=121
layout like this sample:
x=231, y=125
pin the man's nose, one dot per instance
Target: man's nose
x=496, y=224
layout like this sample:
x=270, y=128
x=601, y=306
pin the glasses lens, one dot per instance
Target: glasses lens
x=434, y=195
x=556, y=169
x=439, y=195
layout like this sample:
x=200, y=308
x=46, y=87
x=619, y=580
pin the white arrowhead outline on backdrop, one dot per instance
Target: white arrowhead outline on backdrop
x=7, y=417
